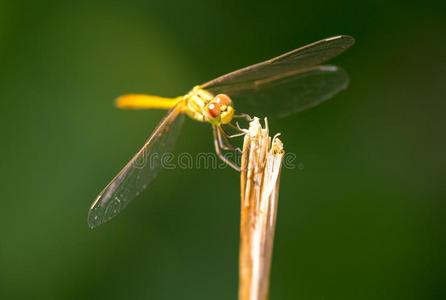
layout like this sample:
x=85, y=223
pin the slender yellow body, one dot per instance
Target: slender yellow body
x=142, y=101
x=196, y=105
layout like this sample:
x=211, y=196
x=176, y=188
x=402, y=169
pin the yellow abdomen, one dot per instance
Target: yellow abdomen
x=142, y=101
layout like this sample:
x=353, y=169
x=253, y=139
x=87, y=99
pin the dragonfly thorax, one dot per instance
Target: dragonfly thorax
x=203, y=106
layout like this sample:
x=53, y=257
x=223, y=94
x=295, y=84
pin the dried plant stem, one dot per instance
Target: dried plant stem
x=260, y=174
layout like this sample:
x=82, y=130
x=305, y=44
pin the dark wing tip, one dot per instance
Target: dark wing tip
x=347, y=40
x=103, y=211
x=93, y=218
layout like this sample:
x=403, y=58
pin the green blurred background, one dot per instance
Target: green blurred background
x=364, y=218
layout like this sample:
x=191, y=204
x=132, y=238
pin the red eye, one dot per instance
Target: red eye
x=223, y=99
x=214, y=110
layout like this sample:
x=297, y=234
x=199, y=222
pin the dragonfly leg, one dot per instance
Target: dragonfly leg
x=237, y=128
x=219, y=153
x=224, y=142
x=243, y=116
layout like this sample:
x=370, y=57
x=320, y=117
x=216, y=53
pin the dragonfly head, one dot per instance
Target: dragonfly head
x=219, y=110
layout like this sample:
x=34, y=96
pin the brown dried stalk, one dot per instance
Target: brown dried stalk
x=260, y=174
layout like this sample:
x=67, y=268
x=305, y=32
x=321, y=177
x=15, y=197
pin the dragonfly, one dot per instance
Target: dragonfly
x=278, y=87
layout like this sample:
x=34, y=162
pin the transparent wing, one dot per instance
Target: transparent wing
x=287, y=93
x=304, y=57
x=138, y=172
x=292, y=77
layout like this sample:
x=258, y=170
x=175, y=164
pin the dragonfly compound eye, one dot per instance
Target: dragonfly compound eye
x=223, y=99
x=214, y=110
